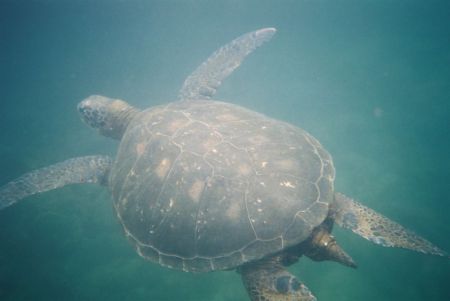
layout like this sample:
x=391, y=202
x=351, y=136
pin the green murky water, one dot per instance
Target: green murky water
x=369, y=79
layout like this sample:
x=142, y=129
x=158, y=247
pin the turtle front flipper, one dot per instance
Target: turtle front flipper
x=268, y=280
x=377, y=228
x=89, y=169
x=204, y=81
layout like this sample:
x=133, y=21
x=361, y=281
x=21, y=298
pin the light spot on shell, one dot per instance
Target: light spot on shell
x=245, y=169
x=287, y=184
x=175, y=125
x=258, y=139
x=209, y=142
x=196, y=190
x=286, y=165
x=227, y=117
x=234, y=211
x=162, y=168
x=140, y=148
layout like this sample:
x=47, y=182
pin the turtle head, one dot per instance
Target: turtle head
x=109, y=116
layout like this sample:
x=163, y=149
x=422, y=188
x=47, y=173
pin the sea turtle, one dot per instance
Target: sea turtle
x=202, y=185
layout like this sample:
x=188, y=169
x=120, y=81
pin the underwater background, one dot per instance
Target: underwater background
x=369, y=79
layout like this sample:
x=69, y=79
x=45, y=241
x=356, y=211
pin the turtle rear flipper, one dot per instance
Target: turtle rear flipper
x=89, y=169
x=377, y=228
x=268, y=280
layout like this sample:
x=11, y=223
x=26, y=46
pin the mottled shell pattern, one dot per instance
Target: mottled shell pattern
x=205, y=185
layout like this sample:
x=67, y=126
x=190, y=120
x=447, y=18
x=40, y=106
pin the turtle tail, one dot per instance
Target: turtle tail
x=89, y=169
